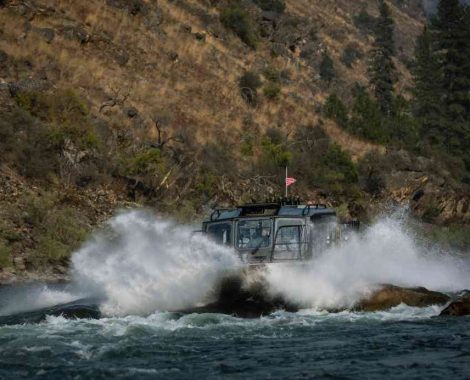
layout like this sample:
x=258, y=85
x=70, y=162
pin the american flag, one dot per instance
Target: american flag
x=290, y=181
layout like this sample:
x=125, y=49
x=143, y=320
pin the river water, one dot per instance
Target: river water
x=403, y=343
x=142, y=270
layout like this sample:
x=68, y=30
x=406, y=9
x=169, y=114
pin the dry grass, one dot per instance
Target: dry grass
x=201, y=86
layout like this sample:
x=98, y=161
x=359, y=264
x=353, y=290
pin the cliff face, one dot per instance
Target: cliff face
x=108, y=103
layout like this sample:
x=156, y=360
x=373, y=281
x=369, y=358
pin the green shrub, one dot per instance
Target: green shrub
x=335, y=109
x=340, y=162
x=272, y=74
x=5, y=256
x=25, y=144
x=278, y=6
x=249, y=83
x=431, y=213
x=272, y=91
x=146, y=162
x=364, y=22
x=239, y=21
x=246, y=147
x=366, y=119
x=276, y=154
x=327, y=69
x=351, y=54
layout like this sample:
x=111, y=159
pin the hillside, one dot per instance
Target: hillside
x=181, y=105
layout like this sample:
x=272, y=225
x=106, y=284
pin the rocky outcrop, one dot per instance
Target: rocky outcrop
x=389, y=296
x=458, y=307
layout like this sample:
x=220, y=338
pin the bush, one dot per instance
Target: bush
x=351, y=54
x=5, y=256
x=272, y=74
x=322, y=164
x=366, y=119
x=239, y=21
x=327, y=69
x=340, y=162
x=272, y=91
x=25, y=144
x=147, y=162
x=275, y=154
x=364, y=22
x=249, y=83
x=278, y=6
x=335, y=109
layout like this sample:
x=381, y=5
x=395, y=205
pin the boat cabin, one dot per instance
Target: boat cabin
x=274, y=232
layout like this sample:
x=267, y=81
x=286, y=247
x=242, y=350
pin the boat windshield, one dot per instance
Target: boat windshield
x=254, y=234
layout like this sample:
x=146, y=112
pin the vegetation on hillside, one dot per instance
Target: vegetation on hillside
x=184, y=105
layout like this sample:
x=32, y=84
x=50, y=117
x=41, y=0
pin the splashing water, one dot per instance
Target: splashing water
x=143, y=264
x=384, y=254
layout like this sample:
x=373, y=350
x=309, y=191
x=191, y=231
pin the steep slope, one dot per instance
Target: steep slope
x=108, y=103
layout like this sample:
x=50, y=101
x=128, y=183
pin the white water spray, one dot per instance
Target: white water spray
x=142, y=264
x=384, y=254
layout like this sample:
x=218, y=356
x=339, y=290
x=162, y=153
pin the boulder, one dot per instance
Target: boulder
x=459, y=307
x=47, y=34
x=3, y=56
x=76, y=33
x=131, y=112
x=389, y=296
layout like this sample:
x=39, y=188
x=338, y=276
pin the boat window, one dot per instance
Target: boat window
x=254, y=234
x=220, y=233
x=288, y=243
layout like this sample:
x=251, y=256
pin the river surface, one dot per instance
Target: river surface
x=403, y=343
x=139, y=266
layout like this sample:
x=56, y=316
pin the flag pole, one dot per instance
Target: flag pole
x=285, y=182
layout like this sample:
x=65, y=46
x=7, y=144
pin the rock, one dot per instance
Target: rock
x=186, y=28
x=29, y=85
x=77, y=33
x=458, y=307
x=235, y=298
x=79, y=309
x=173, y=56
x=47, y=34
x=134, y=7
x=153, y=22
x=389, y=296
x=3, y=56
x=131, y=112
x=6, y=101
x=200, y=36
x=270, y=16
x=121, y=57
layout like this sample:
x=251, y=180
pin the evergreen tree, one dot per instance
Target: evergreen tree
x=452, y=33
x=366, y=118
x=427, y=91
x=327, y=68
x=382, y=69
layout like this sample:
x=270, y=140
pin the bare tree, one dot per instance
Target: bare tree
x=116, y=99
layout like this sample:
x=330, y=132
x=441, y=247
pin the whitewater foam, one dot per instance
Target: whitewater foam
x=384, y=254
x=141, y=264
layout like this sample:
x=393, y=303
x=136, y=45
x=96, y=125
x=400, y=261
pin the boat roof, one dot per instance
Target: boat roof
x=272, y=209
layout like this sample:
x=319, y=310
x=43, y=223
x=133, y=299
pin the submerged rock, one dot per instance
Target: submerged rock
x=390, y=296
x=238, y=299
x=459, y=307
x=79, y=309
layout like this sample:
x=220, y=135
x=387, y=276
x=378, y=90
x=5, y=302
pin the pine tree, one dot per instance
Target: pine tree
x=382, y=69
x=427, y=91
x=453, y=44
x=452, y=35
x=327, y=68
